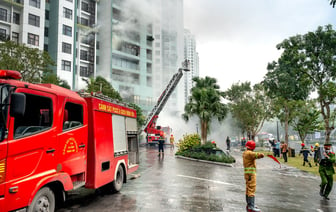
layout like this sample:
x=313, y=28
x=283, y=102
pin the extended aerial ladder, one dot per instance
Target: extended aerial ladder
x=150, y=125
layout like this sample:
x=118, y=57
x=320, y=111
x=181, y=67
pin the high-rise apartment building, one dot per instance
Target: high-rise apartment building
x=168, y=50
x=191, y=55
x=125, y=52
x=113, y=39
x=22, y=21
x=71, y=39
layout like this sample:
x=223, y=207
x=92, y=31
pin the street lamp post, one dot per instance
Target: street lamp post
x=277, y=131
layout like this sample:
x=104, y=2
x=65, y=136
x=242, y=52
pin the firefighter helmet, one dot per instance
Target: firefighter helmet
x=250, y=145
x=317, y=144
x=302, y=144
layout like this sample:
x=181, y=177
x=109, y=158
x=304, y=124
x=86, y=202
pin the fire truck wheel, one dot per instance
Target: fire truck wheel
x=44, y=200
x=118, y=182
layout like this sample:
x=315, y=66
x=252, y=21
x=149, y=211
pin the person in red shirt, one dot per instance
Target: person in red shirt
x=284, y=150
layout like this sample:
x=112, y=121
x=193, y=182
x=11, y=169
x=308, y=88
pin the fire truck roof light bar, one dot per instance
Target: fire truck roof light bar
x=10, y=74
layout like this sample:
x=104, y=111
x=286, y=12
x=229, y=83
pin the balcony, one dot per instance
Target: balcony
x=18, y=3
x=125, y=64
x=129, y=48
x=86, y=24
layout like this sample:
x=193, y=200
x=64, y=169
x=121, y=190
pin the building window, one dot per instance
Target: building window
x=84, y=21
x=33, y=39
x=3, y=14
x=3, y=35
x=15, y=37
x=85, y=6
x=35, y=3
x=66, y=65
x=47, y=14
x=67, y=13
x=46, y=31
x=67, y=30
x=69, y=0
x=34, y=20
x=83, y=55
x=66, y=48
x=16, y=18
x=83, y=71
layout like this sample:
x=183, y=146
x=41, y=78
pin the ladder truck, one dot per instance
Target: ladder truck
x=154, y=132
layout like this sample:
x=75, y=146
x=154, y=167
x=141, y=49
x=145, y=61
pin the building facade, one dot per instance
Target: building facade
x=137, y=46
x=22, y=21
x=191, y=55
x=71, y=39
x=125, y=52
x=168, y=51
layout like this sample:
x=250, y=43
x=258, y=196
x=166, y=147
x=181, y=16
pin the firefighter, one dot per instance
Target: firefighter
x=326, y=170
x=316, y=150
x=161, y=142
x=172, y=140
x=249, y=161
x=305, y=152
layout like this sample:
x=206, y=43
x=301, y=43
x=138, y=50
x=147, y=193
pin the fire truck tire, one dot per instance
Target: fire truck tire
x=44, y=200
x=118, y=182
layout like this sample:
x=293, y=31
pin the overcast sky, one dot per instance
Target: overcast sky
x=236, y=38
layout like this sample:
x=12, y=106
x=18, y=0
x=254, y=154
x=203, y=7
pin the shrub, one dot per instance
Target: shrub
x=188, y=142
x=190, y=146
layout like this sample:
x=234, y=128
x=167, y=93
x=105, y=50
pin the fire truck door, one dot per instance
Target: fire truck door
x=32, y=139
x=73, y=141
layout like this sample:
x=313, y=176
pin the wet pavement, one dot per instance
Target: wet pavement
x=175, y=184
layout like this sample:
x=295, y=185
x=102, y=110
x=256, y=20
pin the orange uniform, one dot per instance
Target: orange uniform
x=249, y=161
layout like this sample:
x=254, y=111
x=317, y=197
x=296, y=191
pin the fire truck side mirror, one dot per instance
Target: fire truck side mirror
x=18, y=104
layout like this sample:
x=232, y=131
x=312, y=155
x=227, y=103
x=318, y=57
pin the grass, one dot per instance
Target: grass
x=297, y=162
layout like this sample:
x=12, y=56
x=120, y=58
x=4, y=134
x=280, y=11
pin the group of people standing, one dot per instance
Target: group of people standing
x=323, y=156
x=279, y=147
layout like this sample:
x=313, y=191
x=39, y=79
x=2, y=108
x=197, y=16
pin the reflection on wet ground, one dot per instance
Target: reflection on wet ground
x=172, y=184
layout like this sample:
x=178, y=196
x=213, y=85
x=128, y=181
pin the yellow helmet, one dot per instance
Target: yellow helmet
x=317, y=144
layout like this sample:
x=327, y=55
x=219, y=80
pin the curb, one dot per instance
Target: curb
x=204, y=161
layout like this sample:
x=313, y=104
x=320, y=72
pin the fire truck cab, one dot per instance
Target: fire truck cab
x=53, y=140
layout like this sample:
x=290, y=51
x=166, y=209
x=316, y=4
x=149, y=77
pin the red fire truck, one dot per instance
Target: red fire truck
x=53, y=140
x=155, y=132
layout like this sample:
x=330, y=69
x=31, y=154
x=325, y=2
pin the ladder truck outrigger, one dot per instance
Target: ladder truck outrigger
x=154, y=132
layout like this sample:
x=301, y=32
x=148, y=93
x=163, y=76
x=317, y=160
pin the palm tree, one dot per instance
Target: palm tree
x=333, y=3
x=205, y=102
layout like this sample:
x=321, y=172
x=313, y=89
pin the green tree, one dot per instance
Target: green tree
x=54, y=79
x=306, y=119
x=284, y=83
x=99, y=84
x=320, y=66
x=205, y=102
x=310, y=58
x=249, y=106
x=30, y=62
